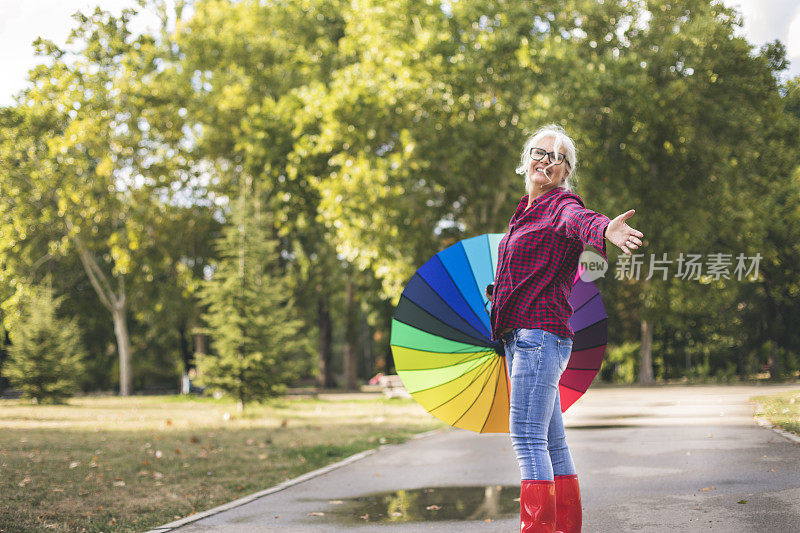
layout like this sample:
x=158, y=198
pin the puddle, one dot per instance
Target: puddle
x=418, y=505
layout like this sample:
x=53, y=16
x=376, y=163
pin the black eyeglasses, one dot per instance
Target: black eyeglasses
x=537, y=154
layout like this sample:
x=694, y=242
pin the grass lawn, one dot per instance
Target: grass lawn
x=782, y=410
x=129, y=464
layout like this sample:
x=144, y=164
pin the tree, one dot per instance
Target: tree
x=247, y=63
x=257, y=338
x=46, y=355
x=94, y=146
x=673, y=113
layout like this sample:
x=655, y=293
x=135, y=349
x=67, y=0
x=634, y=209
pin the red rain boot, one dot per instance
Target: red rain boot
x=568, y=504
x=537, y=504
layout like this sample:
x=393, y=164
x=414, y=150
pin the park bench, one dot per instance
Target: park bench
x=393, y=387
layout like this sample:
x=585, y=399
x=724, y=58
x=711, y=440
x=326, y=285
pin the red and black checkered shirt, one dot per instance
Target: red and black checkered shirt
x=538, y=259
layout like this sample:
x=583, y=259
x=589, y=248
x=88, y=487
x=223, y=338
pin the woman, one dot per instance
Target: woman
x=537, y=263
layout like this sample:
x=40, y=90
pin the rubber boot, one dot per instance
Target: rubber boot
x=537, y=504
x=568, y=504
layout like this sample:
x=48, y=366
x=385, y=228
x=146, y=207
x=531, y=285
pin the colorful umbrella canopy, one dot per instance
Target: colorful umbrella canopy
x=442, y=347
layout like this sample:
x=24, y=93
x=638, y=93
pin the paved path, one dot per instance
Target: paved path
x=649, y=459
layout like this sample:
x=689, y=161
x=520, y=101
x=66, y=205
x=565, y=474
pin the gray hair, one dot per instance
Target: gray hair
x=560, y=140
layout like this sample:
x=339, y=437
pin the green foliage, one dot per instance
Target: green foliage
x=46, y=353
x=259, y=344
x=378, y=132
x=620, y=363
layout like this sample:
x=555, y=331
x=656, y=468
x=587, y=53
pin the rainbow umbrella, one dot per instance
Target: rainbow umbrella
x=442, y=347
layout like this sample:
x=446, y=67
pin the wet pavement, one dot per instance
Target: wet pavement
x=649, y=459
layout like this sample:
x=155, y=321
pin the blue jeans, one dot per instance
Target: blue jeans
x=536, y=359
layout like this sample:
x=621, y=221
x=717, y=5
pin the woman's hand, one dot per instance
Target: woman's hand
x=622, y=234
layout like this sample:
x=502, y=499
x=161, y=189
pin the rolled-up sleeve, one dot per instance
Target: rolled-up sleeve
x=574, y=221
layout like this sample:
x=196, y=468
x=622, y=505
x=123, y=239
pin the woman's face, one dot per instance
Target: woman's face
x=555, y=174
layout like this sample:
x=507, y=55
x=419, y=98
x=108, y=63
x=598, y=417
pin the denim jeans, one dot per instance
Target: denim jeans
x=536, y=359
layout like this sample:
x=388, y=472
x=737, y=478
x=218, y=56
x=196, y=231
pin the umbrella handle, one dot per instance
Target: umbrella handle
x=498, y=347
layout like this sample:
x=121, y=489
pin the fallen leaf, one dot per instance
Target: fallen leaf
x=316, y=514
x=712, y=487
x=335, y=502
x=169, y=422
x=742, y=501
x=488, y=520
x=177, y=451
x=194, y=440
x=119, y=483
x=74, y=464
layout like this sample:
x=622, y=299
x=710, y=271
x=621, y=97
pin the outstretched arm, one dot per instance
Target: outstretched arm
x=576, y=222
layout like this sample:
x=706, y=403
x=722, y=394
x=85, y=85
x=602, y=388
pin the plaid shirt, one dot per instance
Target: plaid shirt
x=538, y=259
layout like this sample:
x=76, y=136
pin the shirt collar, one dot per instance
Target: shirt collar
x=524, y=201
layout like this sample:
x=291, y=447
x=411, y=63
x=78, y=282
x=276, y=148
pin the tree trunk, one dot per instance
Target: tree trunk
x=199, y=348
x=773, y=362
x=350, y=340
x=114, y=301
x=324, y=347
x=646, y=356
x=186, y=357
x=124, y=349
x=199, y=344
x=3, y=358
x=367, y=357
